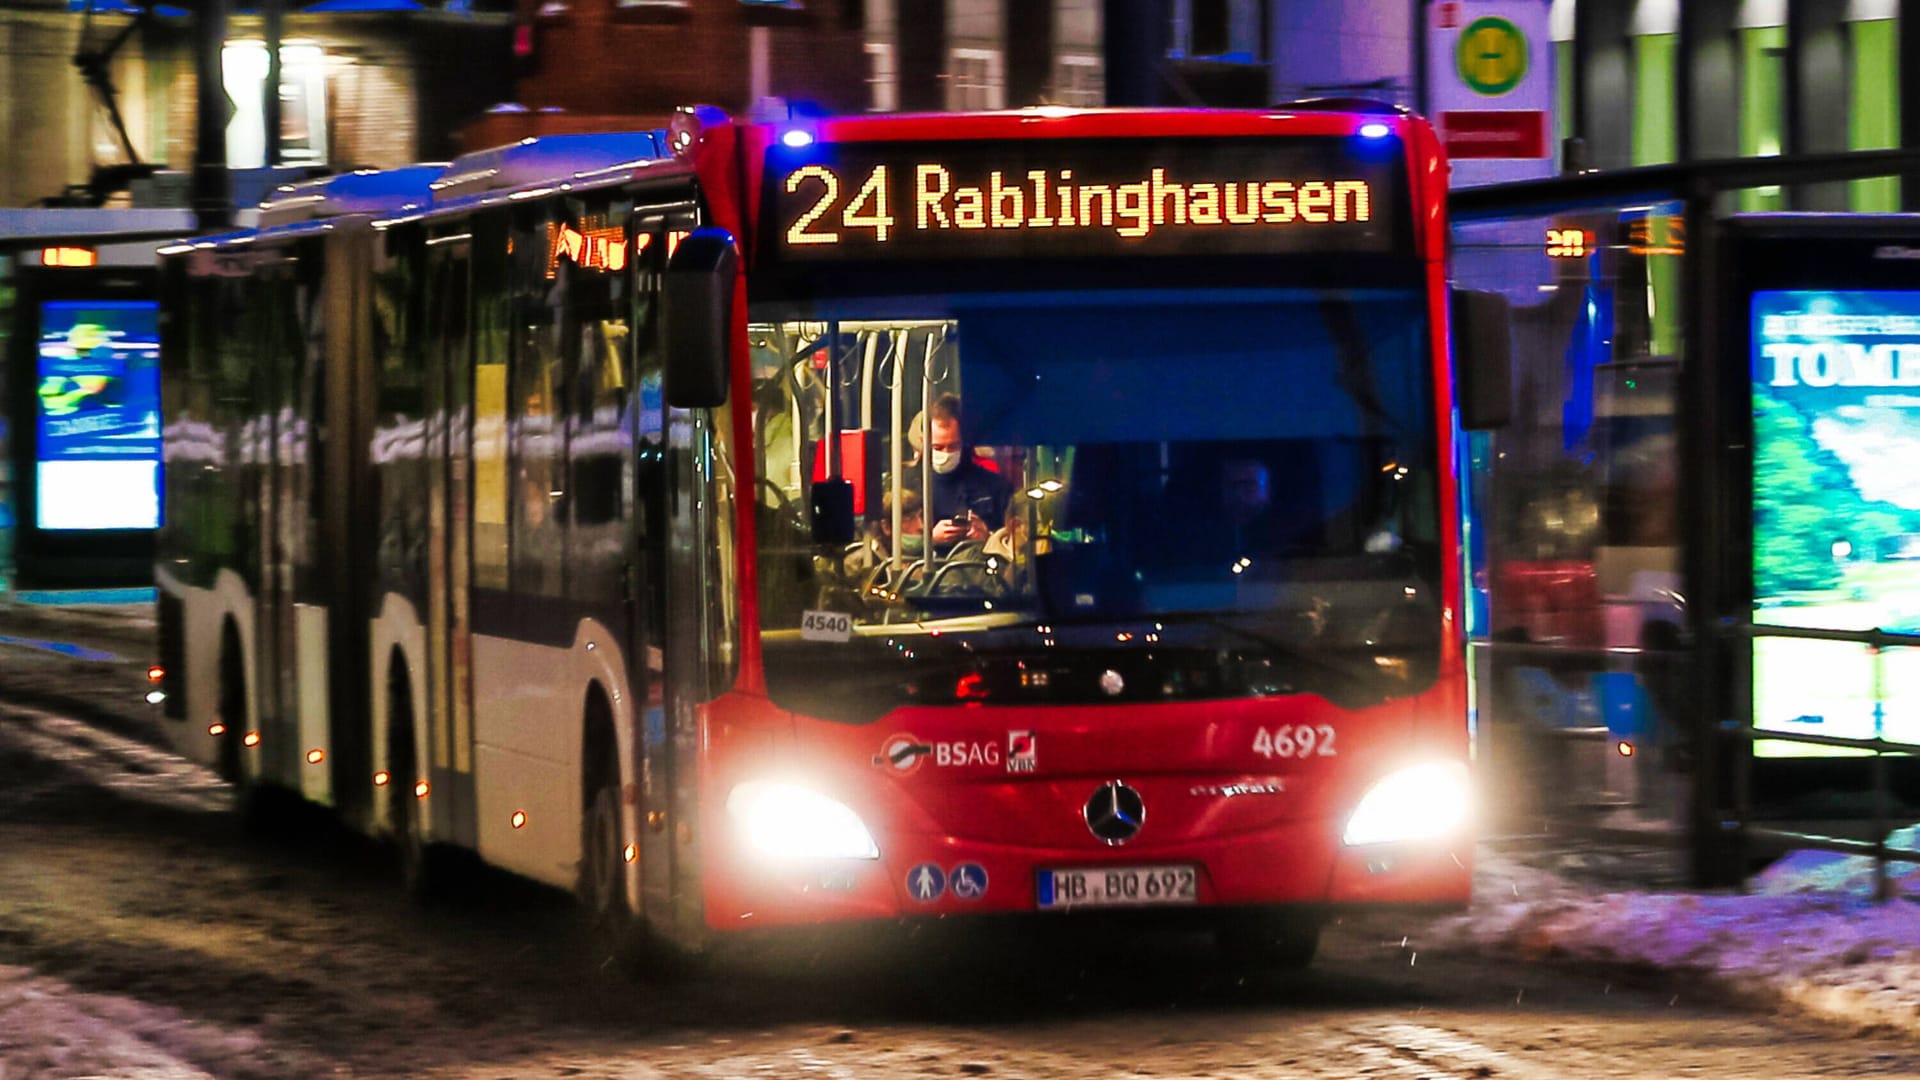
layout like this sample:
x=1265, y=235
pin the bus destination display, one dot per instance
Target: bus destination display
x=1080, y=199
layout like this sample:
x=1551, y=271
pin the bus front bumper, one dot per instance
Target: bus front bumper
x=932, y=876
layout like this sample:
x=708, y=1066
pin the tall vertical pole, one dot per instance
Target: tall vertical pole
x=920, y=36
x=1909, y=68
x=1029, y=37
x=273, y=18
x=1134, y=37
x=1689, y=32
x=1793, y=127
x=1422, y=92
x=211, y=194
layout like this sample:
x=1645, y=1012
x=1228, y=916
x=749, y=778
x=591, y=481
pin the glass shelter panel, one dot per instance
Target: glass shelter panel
x=1573, y=520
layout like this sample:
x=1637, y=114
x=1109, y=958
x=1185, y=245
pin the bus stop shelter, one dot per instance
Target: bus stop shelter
x=78, y=292
x=1693, y=529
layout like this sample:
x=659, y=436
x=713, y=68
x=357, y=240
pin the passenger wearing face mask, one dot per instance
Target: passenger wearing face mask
x=878, y=547
x=968, y=500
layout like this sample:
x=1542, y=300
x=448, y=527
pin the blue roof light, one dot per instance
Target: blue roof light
x=795, y=138
x=1373, y=129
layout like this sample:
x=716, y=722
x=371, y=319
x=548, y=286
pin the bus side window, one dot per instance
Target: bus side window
x=492, y=321
x=536, y=429
x=649, y=424
x=595, y=339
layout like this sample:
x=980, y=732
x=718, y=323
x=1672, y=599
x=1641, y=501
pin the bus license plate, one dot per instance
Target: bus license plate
x=1117, y=886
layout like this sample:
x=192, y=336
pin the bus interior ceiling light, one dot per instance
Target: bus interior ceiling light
x=786, y=821
x=1420, y=802
x=1373, y=129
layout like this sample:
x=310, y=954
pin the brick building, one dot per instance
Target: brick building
x=360, y=87
x=596, y=64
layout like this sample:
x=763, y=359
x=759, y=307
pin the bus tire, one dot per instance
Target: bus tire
x=263, y=811
x=617, y=931
x=230, y=710
x=425, y=873
x=1269, y=940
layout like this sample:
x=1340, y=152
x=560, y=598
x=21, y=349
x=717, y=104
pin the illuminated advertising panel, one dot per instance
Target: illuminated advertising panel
x=98, y=415
x=1052, y=198
x=1836, y=510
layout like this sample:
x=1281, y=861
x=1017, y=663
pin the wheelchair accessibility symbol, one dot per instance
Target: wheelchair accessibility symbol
x=968, y=881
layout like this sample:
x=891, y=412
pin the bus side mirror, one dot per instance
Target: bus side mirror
x=696, y=317
x=1482, y=359
x=830, y=510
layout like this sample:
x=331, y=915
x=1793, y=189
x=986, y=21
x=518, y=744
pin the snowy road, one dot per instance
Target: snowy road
x=142, y=936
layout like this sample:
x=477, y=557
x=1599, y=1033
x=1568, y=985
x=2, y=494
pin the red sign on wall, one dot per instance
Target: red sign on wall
x=1494, y=133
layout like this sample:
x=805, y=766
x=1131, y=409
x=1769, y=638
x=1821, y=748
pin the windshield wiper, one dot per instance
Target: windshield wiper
x=1308, y=656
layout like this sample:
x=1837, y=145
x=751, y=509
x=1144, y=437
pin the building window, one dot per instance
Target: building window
x=303, y=104
x=1762, y=49
x=1874, y=115
x=883, y=80
x=1218, y=29
x=975, y=80
x=1078, y=81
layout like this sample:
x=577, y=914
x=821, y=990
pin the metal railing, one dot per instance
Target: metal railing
x=1877, y=642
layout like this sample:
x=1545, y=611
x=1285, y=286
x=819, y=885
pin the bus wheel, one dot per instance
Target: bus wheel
x=616, y=930
x=602, y=871
x=1271, y=940
x=264, y=812
x=232, y=707
x=423, y=873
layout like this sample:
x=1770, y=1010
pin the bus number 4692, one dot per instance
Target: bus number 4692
x=1304, y=740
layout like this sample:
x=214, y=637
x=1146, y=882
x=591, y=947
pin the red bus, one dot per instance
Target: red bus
x=867, y=518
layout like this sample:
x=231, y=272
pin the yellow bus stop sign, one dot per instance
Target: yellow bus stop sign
x=1492, y=56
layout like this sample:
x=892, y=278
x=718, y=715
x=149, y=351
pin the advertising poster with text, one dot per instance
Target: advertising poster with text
x=1836, y=511
x=98, y=415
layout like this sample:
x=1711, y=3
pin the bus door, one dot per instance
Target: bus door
x=280, y=454
x=449, y=494
x=647, y=571
x=684, y=537
x=343, y=520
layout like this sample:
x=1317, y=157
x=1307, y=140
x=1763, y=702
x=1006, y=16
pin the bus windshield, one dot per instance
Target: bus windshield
x=1096, y=496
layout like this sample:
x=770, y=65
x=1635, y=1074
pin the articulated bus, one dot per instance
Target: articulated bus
x=848, y=519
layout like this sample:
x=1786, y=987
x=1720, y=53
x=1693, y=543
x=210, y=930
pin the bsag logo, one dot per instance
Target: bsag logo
x=1895, y=251
x=903, y=752
x=965, y=753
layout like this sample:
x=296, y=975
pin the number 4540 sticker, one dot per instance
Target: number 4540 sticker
x=1295, y=741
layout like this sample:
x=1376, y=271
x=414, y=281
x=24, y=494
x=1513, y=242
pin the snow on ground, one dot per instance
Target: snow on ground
x=49, y=1029
x=1807, y=932
x=1807, y=935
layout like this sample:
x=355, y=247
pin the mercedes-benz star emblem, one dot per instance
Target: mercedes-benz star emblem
x=1116, y=812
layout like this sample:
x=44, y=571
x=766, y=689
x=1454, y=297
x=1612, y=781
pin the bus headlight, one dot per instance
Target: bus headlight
x=787, y=821
x=1420, y=802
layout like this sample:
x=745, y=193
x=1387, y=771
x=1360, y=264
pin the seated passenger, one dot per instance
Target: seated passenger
x=877, y=548
x=1008, y=541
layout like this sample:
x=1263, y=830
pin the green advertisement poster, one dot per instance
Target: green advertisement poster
x=1836, y=511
